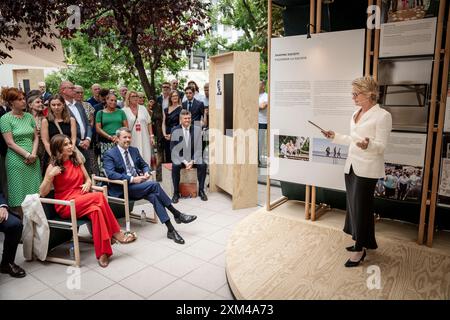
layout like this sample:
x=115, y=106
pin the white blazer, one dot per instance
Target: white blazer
x=375, y=124
x=36, y=232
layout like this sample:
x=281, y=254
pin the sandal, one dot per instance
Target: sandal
x=128, y=237
x=103, y=261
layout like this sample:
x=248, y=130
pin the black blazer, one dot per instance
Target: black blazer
x=197, y=110
x=3, y=145
x=178, y=147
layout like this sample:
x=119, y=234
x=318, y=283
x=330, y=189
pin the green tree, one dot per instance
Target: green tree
x=249, y=16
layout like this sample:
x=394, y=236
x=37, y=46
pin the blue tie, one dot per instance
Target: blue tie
x=189, y=106
x=128, y=164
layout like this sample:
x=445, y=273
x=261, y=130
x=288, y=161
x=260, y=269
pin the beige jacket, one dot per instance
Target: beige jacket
x=36, y=231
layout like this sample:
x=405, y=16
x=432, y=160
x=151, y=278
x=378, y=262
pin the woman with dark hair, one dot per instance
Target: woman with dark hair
x=58, y=121
x=22, y=164
x=35, y=106
x=171, y=119
x=71, y=182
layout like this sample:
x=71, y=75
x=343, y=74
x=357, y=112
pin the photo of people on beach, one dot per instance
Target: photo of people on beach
x=327, y=152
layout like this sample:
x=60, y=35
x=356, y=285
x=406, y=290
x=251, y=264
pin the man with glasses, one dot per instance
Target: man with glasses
x=174, y=85
x=163, y=99
x=84, y=130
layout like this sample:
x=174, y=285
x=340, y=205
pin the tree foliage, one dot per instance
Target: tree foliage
x=249, y=16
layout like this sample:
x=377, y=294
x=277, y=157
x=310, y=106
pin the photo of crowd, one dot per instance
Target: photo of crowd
x=327, y=152
x=291, y=147
x=401, y=182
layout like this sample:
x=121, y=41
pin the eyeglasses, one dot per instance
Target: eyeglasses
x=355, y=94
x=134, y=96
x=78, y=91
x=166, y=87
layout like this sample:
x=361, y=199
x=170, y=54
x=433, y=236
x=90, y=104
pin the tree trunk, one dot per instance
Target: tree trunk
x=149, y=88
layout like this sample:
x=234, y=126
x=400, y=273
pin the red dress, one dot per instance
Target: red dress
x=92, y=204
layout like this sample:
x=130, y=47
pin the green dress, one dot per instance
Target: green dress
x=22, y=178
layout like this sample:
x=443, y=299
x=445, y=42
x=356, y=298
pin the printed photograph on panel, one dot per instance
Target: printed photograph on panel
x=401, y=182
x=405, y=10
x=291, y=147
x=324, y=151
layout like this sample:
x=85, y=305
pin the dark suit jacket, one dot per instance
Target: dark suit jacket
x=3, y=145
x=197, y=110
x=2, y=199
x=192, y=151
x=85, y=121
x=116, y=169
x=46, y=96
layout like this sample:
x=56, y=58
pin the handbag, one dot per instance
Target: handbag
x=75, y=149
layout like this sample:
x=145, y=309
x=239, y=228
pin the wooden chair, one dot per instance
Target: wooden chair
x=72, y=224
x=125, y=201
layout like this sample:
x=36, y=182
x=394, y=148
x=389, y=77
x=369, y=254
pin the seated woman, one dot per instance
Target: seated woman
x=71, y=181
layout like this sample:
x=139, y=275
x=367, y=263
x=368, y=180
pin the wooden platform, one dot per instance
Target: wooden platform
x=279, y=255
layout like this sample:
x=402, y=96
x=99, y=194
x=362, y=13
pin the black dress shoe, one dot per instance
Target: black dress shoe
x=185, y=218
x=351, y=249
x=175, y=236
x=351, y=264
x=175, y=198
x=202, y=195
x=13, y=269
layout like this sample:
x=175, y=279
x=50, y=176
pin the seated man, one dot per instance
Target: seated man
x=12, y=227
x=125, y=162
x=187, y=152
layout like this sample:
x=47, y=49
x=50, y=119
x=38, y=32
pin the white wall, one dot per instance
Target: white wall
x=7, y=75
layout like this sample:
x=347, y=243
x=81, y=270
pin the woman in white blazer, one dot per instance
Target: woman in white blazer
x=370, y=127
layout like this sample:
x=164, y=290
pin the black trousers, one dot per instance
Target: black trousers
x=359, y=220
x=13, y=232
x=201, y=176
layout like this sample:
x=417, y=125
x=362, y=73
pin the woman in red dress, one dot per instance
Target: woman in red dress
x=71, y=181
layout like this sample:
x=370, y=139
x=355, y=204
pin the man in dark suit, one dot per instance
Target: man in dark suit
x=194, y=106
x=45, y=96
x=84, y=129
x=125, y=162
x=187, y=152
x=12, y=227
x=163, y=99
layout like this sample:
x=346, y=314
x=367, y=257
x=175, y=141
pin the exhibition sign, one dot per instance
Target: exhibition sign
x=311, y=81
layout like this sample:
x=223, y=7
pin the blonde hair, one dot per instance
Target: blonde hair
x=368, y=86
x=127, y=98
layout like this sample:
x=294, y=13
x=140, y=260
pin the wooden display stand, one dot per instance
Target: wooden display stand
x=227, y=170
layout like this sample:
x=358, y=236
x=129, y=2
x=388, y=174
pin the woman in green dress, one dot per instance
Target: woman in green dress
x=22, y=164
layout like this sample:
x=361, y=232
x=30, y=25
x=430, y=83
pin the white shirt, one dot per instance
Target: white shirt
x=77, y=116
x=122, y=152
x=262, y=114
x=375, y=124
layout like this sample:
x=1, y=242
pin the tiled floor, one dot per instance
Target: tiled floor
x=153, y=267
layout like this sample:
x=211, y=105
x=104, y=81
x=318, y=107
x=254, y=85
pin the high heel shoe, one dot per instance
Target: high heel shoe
x=351, y=264
x=351, y=248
